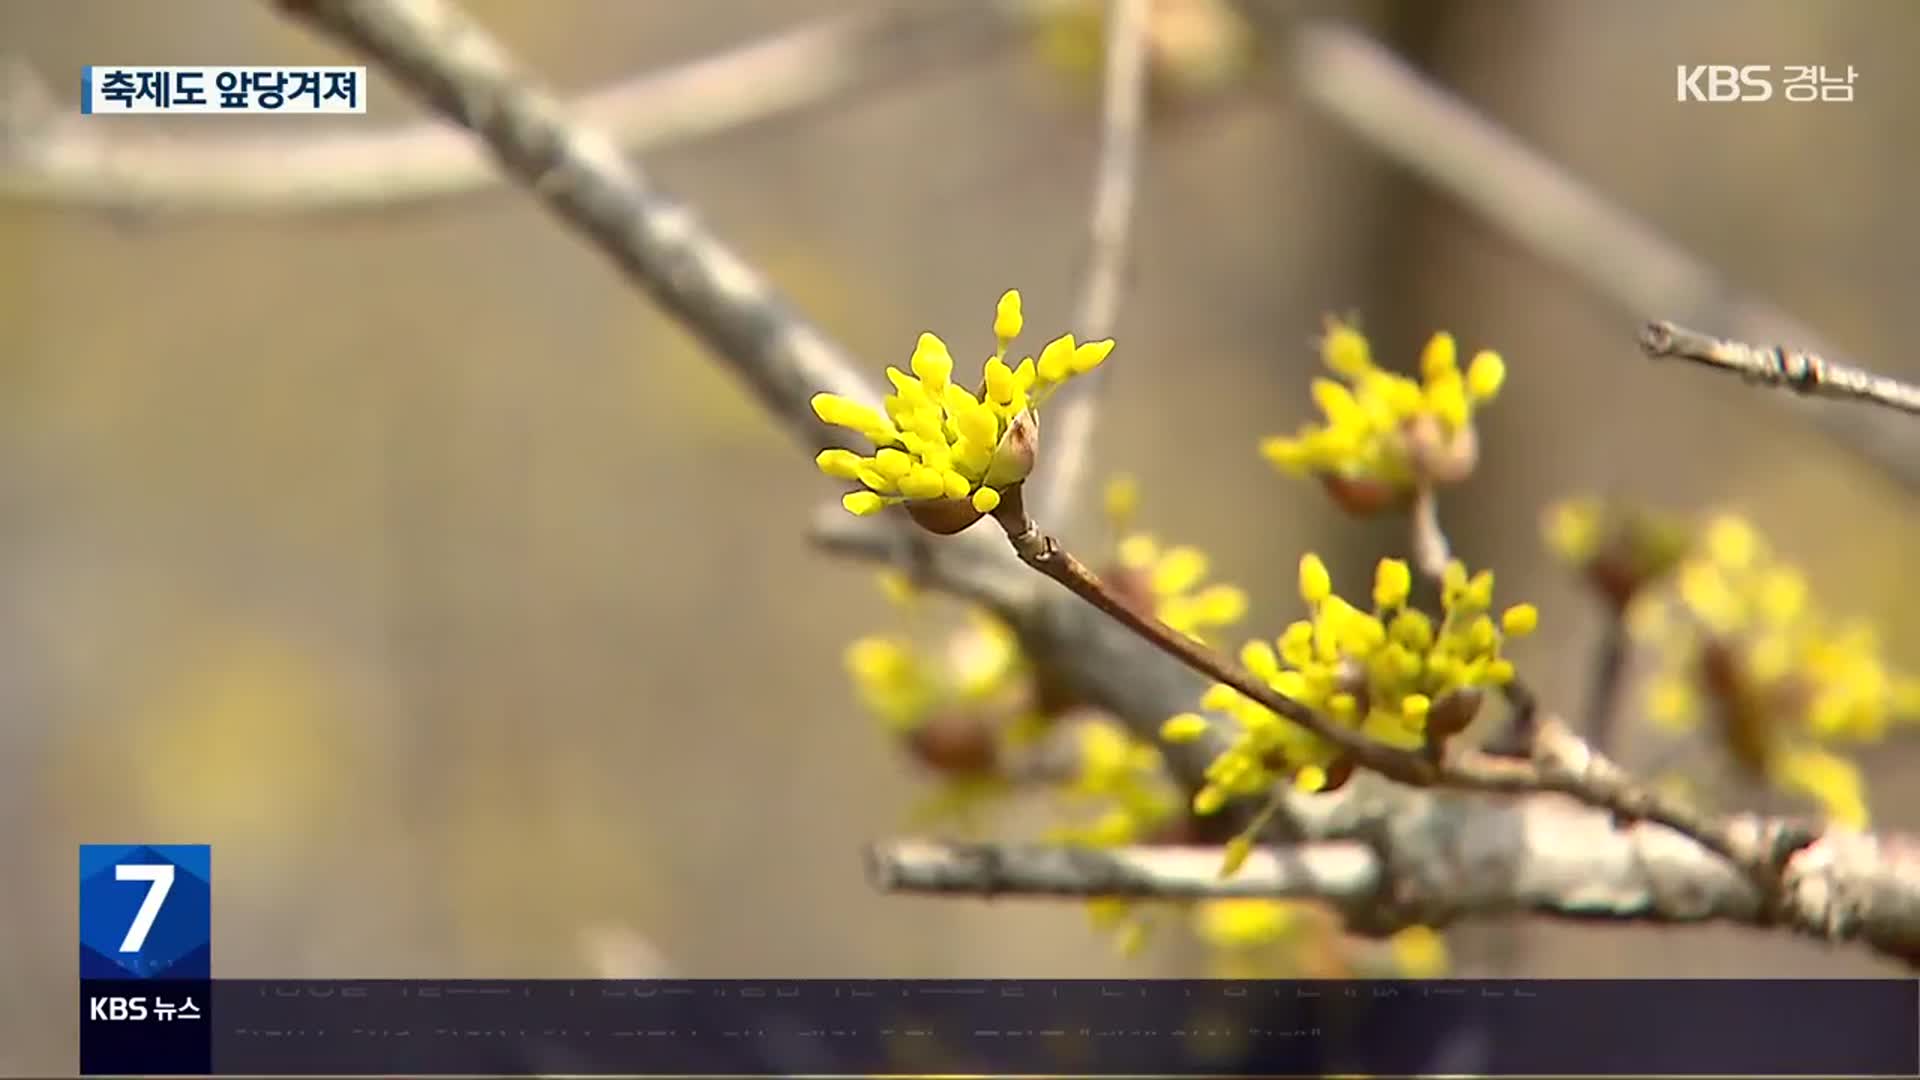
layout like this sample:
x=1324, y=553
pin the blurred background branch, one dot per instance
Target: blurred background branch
x=1065, y=469
x=49, y=155
x=1553, y=214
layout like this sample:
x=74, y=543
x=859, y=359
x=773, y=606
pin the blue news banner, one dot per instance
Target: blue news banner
x=149, y=1006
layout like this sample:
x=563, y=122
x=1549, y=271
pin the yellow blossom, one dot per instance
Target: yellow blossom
x=1743, y=647
x=1386, y=428
x=1171, y=581
x=1419, y=952
x=1242, y=923
x=1393, y=674
x=938, y=440
x=1122, y=778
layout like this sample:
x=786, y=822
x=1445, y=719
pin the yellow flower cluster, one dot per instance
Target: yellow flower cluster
x=1386, y=429
x=937, y=440
x=1619, y=550
x=901, y=684
x=1169, y=581
x=1743, y=645
x=1123, y=775
x=1391, y=674
x=1256, y=938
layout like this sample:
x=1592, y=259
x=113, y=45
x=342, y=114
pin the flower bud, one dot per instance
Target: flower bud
x=1019, y=448
x=943, y=517
x=1365, y=496
x=1442, y=457
x=955, y=744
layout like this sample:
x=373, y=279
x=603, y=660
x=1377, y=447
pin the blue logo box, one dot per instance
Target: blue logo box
x=146, y=911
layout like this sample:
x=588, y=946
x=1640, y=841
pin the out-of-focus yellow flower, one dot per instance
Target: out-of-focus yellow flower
x=1169, y=581
x=937, y=441
x=1261, y=939
x=1744, y=647
x=1419, y=952
x=1385, y=433
x=1243, y=923
x=1123, y=780
x=1194, y=47
x=1390, y=673
x=1619, y=550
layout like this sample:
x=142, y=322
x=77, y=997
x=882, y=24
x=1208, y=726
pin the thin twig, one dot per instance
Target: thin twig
x=1042, y=552
x=1398, y=112
x=1560, y=761
x=1431, y=551
x=1603, y=692
x=1777, y=365
x=434, y=50
x=52, y=156
x=1071, y=418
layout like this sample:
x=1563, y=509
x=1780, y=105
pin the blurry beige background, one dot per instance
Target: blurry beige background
x=414, y=562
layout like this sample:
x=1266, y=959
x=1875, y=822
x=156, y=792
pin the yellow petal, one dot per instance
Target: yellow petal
x=1486, y=375
x=1315, y=583
x=932, y=362
x=1184, y=728
x=1441, y=356
x=840, y=464
x=1056, y=360
x=1090, y=355
x=1007, y=317
x=862, y=503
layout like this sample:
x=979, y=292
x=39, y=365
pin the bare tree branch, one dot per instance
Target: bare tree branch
x=1070, y=420
x=1438, y=860
x=1777, y=365
x=51, y=156
x=457, y=68
x=1394, y=110
x=1337, y=870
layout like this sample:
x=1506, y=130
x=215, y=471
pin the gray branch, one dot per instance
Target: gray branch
x=1437, y=861
x=1070, y=421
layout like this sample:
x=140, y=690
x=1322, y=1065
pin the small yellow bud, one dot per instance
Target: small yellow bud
x=1122, y=498
x=1310, y=778
x=1091, y=355
x=862, y=503
x=986, y=500
x=1139, y=551
x=1520, y=620
x=1238, y=849
x=1056, y=360
x=1007, y=317
x=1441, y=356
x=840, y=464
x=1219, y=697
x=932, y=362
x=1345, y=351
x=1485, y=375
x=1316, y=584
x=1208, y=800
x=1184, y=728
x=1416, y=706
x=1392, y=583
x=1180, y=569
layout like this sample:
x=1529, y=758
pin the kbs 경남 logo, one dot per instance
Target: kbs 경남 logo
x=145, y=911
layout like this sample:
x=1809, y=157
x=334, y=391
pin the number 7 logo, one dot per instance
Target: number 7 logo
x=159, y=877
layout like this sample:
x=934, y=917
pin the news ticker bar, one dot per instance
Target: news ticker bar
x=1034, y=1027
